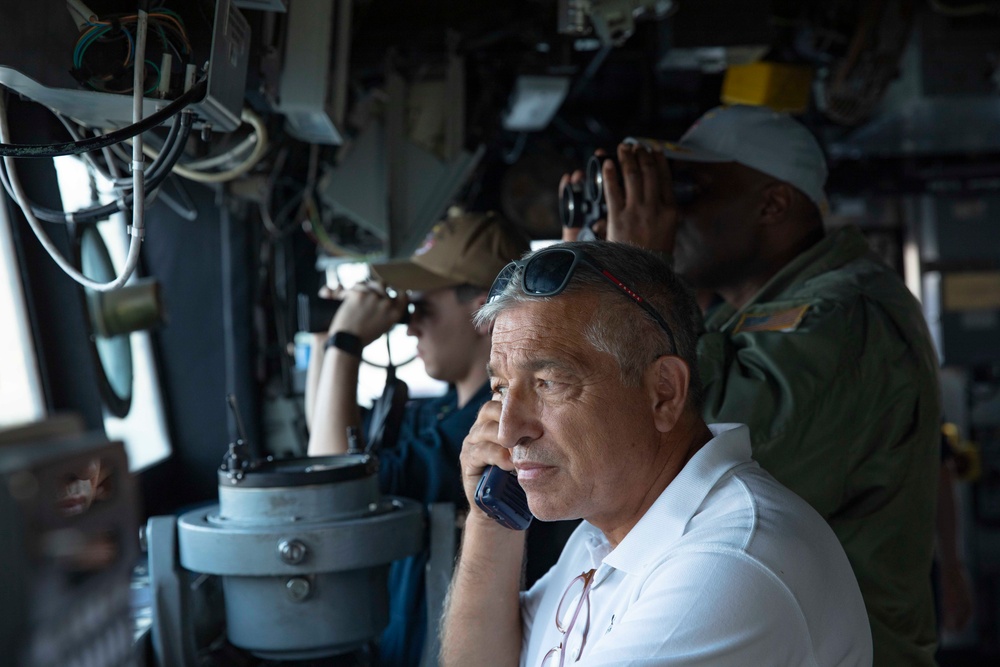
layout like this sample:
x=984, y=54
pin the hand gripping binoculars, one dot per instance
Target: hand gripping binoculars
x=583, y=204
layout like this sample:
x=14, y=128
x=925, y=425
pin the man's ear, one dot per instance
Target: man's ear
x=778, y=200
x=474, y=305
x=667, y=379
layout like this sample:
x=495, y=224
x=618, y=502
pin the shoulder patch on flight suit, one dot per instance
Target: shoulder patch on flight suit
x=783, y=320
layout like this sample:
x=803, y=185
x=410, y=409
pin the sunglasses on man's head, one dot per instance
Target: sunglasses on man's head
x=548, y=271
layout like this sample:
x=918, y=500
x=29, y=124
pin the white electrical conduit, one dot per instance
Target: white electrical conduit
x=237, y=152
x=259, y=149
x=138, y=209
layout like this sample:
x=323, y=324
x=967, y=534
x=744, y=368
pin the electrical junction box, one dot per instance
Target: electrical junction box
x=313, y=89
x=43, y=41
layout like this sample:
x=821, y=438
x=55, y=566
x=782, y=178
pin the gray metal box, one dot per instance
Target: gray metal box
x=313, y=89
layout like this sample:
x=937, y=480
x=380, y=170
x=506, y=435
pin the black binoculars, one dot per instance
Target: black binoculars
x=583, y=205
x=315, y=313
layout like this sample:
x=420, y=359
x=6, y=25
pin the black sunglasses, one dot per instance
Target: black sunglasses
x=548, y=271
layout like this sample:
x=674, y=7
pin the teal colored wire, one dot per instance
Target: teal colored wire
x=163, y=37
x=85, y=43
x=153, y=87
x=173, y=29
x=78, y=49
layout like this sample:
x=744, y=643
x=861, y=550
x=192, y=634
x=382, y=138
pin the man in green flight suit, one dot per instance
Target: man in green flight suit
x=816, y=345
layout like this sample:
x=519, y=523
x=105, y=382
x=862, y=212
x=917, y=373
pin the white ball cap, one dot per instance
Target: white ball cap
x=773, y=143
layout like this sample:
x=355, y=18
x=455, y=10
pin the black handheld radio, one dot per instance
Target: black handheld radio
x=502, y=498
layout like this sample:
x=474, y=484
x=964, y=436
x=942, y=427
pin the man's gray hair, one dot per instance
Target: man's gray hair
x=619, y=326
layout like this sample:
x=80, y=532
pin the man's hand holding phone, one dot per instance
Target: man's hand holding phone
x=487, y=472
x=482, y=623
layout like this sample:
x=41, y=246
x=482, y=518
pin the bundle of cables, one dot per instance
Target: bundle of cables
x=104, y=54
x=97, y=33
x=173, y=149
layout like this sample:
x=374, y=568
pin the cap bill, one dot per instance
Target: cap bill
x=685, y=153
x=404, y=275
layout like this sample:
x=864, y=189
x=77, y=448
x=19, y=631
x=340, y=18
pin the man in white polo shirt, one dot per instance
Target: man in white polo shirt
x=690, y=554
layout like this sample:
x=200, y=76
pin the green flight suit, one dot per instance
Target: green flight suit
x=832, y=367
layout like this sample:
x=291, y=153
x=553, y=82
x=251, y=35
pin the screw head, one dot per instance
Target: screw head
x=292, y=552
x=298, y=589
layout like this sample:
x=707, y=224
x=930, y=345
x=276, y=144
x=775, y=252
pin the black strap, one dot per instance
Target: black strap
x=347, y=342
x=387, y=412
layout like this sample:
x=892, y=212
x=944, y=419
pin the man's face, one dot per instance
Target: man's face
x=577, y=436
x=446, y=338
x=716, y=232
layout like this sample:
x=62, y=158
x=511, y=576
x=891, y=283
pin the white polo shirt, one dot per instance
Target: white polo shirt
x=727, y=567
